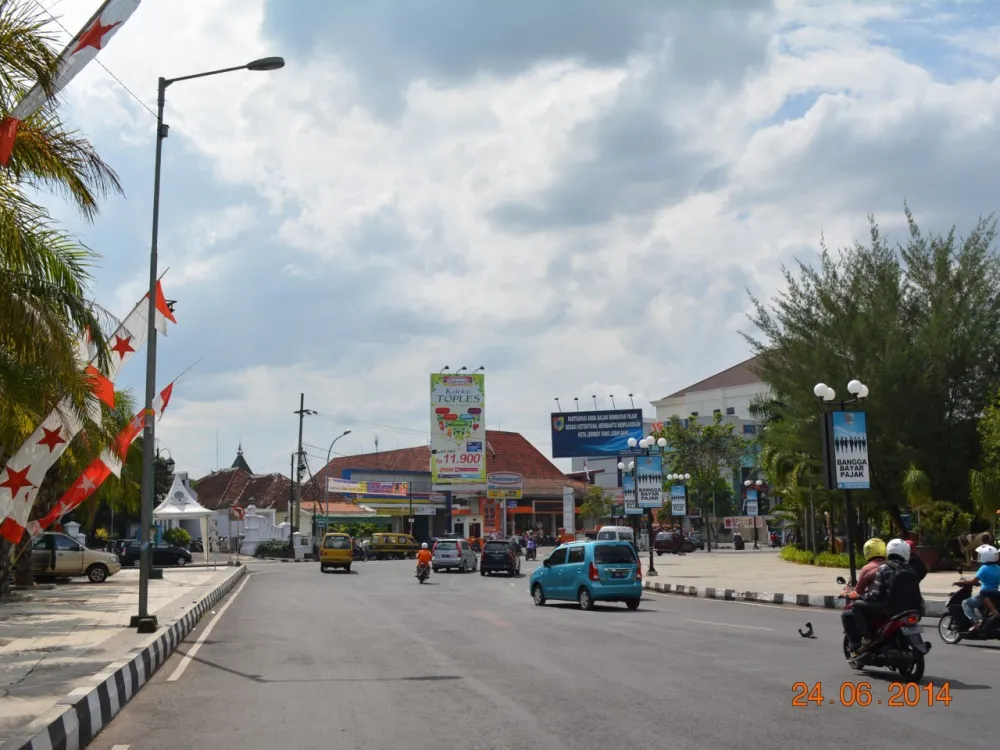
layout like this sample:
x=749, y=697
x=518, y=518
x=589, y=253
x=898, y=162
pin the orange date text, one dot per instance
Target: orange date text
x=898, y=695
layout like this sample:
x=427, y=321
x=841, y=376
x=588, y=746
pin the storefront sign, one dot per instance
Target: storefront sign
x=504, y=485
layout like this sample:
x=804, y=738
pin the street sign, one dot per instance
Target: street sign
x=236, y=512
x=504, y=485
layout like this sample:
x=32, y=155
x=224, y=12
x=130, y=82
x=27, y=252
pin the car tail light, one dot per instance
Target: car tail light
x=638, y=570
x=594, y=574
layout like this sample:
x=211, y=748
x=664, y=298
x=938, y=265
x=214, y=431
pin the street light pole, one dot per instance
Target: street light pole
x=326, y=487
x=758, y=484
x=143, y=621
x=827, y=397
x=645, y=447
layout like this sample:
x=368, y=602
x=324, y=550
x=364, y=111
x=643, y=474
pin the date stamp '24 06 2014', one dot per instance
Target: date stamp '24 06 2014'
x=899, y=695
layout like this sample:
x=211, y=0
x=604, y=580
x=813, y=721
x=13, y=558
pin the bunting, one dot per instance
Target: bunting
x=22, y=477
x=109, y=462
x=91, y=39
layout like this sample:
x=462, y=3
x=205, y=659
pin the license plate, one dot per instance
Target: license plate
x=618, y=573
x=913, y=630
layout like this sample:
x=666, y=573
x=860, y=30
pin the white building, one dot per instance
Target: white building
x=728, y=393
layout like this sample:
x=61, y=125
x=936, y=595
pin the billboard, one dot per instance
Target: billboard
x=375, y=489
x=594, y=434
x=458, y=428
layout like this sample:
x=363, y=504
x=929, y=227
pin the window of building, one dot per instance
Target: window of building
x=716, y=411
x=694, y=414
x=730, y=410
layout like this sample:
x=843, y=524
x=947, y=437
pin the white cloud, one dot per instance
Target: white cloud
x=697, y=190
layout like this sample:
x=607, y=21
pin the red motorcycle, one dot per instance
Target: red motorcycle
x=899, y=644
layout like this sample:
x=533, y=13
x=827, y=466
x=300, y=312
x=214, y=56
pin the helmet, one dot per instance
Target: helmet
x=423, y=546
x=898, y=548
x=988, y=553
x=873, y=548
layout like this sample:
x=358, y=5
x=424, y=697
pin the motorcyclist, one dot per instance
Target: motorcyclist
x=918, y=566
x=895, y=589
x=987, y=578
x=424, y=557
x=874, y=552
x=531, y=545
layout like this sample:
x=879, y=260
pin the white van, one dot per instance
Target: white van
x=616, y=534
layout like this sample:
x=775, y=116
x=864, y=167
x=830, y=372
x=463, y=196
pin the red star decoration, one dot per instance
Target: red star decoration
x=52, y=439
x=93, y=36
x=16, y=480
x=122, y=346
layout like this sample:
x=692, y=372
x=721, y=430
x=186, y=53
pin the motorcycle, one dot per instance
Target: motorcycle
x=899, y=644
x=953, y=627
x=531, y=553
x=423, y=573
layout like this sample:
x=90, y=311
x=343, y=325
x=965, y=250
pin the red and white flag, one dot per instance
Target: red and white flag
x=109, y=462
x=92, y=38
x=21, y=478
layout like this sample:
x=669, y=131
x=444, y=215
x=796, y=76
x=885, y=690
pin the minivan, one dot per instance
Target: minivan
x=336, y=551
x=616, y=534
x=588, y=572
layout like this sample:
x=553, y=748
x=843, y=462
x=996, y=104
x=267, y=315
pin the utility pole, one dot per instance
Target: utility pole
x=297, y=477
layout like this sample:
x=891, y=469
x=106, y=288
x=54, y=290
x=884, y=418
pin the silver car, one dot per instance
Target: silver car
x=450, y=554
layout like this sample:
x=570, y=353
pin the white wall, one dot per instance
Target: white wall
x=706, y=402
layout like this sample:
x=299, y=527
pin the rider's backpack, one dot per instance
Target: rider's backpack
x=904, y=589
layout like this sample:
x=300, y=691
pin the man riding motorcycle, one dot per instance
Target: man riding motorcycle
x=424, y=557
x=874, y=552
x=988, y=580
x=895, y=589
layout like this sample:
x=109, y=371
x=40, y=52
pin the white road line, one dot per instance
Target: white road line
x=729, y=625
x=204, y=635
x=119, y=747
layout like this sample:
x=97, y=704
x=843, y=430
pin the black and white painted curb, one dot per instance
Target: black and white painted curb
x=92, y=708
x=934, y=608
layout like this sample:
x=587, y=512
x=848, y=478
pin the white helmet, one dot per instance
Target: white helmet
x=988, y=553
x=423, y=546
x=898, y=548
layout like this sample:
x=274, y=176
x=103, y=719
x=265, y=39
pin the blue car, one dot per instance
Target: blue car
x=589, y=572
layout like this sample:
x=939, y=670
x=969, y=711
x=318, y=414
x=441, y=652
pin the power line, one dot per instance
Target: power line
x=106, y=70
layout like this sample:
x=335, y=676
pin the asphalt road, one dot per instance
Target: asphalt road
x=373, y=660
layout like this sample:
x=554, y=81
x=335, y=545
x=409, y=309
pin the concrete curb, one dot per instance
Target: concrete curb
x=935, y=608
x=91, y=708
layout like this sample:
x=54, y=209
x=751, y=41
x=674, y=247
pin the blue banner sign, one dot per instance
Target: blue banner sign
x=594, y=434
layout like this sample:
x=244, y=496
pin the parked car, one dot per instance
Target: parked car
x=673, y=542
x=386, y=546
x=616, y=534
x=500, y=555
x=454, y=554
x=336, y=551
x=589, y=572
x=697, y=540
x=163, y=554
x=58, y=555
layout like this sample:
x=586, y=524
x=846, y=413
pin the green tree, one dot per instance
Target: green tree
x=917, y=323
x=703, y=450
x=984, y=484
x=596, y=504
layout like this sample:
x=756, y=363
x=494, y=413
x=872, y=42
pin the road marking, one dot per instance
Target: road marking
x=119, y=747
x=729, y=625
x=204, y=635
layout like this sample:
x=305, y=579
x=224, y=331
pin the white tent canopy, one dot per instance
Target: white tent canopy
x=181, y=504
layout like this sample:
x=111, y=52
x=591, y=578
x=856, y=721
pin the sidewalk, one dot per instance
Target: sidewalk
x=728, y=574
x=57, y=640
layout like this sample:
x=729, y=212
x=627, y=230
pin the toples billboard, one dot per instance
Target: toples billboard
x=594, y=434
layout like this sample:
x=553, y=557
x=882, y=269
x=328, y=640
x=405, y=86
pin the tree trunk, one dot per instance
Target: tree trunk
x=897, y=520
x=831, y=531
x=23, y=573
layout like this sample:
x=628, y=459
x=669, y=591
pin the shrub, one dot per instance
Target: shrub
x=795, y=555
x=177, y=536
x=823, y=559
x=272, y=548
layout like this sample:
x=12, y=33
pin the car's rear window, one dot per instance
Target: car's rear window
x=447, y=544
x=664, y=536
x=495, y=545
x=336, y=542
x=614, y=553
x=605, y=535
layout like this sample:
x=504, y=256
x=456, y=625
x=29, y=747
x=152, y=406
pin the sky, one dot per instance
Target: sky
x=578, y=197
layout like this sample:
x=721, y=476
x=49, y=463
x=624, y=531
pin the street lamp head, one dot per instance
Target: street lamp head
x=759, y=482
x=830, y=394
x=747, y=483
x=266, y=63
x=687, y=477
x=819, y=390
x=863, y=393
x=631, y=465
x=662, y=442
x=346, y=432
x=854, y=387
x=170, y=465
x=632, y=442
x=621, y=466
